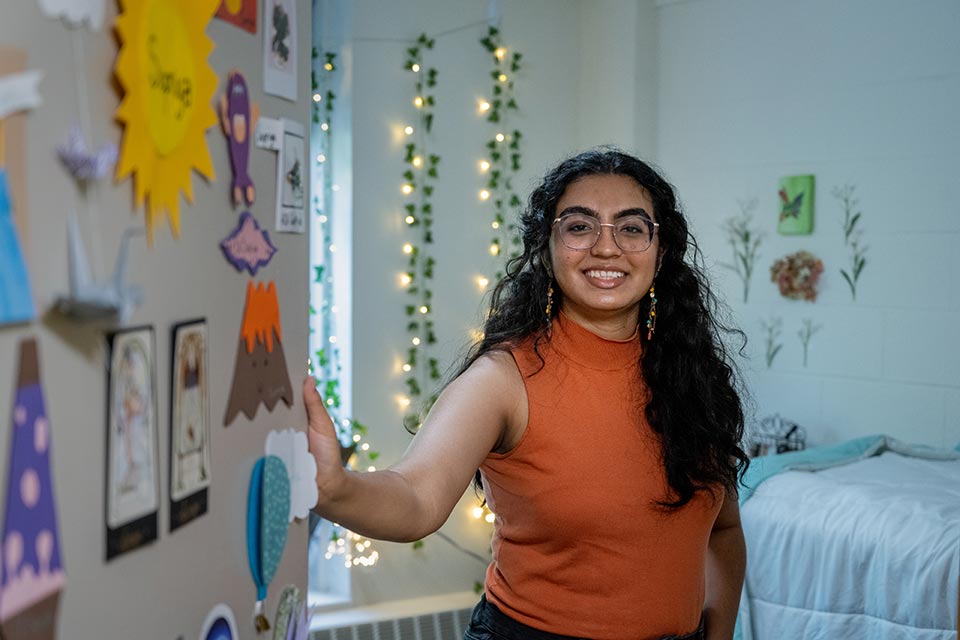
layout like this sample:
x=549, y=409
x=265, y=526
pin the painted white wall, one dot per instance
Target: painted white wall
x=861, y=92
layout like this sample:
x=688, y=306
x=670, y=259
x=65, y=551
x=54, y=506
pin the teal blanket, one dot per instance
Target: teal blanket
x=816, y=459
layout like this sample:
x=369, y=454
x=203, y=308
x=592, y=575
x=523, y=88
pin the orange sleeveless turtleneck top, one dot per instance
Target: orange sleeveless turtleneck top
x=580, y=547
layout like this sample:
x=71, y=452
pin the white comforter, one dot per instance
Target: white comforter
x=865, y=550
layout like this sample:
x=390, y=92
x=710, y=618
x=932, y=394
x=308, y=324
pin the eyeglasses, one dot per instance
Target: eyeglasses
x=581, y=232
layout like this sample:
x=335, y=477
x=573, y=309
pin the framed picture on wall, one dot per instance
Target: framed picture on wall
x=189, y=423
x=132, y=464
x=796, y=205
x=280, y=48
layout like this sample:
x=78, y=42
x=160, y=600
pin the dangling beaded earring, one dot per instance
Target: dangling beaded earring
x=549, y=305
x=652, y=318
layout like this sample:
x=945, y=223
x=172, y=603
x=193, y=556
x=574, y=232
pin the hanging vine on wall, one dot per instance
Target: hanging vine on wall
x=419, y=177
x=503, y=151
x=325, y=363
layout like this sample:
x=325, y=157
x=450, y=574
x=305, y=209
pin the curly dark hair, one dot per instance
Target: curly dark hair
x=694, y=397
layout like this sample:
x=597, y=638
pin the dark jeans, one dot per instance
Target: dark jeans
x=489, y=623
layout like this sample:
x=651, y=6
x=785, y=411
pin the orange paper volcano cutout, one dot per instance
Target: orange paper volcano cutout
x=260, y=373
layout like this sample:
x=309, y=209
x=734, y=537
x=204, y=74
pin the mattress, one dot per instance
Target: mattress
x=869, y=549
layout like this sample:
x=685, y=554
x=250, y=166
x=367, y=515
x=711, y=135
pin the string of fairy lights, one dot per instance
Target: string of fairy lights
x=353, y=549
x=502, y=159
x=498, y=168
x=419, y=176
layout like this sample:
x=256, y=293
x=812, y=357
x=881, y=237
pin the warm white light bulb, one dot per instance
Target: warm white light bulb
x=409, y=220
x=404, y=401
x=324, y=126
x=415, y=341
x=408, y=248
x=406, y=189
x=415, y=67
x=495, y=224
x=483, y=106
x=500, y=52
x=424, y=309
x=484, y=166
x=356, y=437
x=371, y=468
x=407, y=367
x=478, y=512
x=494, y=250
x=333, y=248
x=418, y=102
x=490, y=518
x=405, y=279
x=417, y=161
x=502, y=77
x=482, y=281
x=328, y=67
x=500, y=137
x=317, y=97
x=484, y=195
x=408, y=130
x=321, y=158
x=365, y=446
x=329, y=402
x=333, y=339
x=322, y=219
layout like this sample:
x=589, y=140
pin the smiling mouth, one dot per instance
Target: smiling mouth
x=604, y=275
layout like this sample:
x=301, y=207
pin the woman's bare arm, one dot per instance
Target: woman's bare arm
x=414, y=497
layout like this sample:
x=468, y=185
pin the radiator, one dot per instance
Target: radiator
x=442, y=625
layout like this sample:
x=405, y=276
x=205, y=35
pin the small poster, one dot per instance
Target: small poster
x=796, y=205
x=280, y=48
x=132, y=469
x=240, y=13
x=189, y=423
x=291, y=183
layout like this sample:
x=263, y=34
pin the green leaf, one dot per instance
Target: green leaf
x=418, y=544
x=410, y=309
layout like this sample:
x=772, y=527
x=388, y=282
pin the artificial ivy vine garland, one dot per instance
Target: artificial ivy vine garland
x=503, y=150
x=419, y=177
x=355, y=549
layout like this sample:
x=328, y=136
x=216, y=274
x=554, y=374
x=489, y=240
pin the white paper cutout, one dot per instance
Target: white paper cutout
x=92, y=300
x=75, y=12
x=291, y=446
x=269, y=133
x=19, y=92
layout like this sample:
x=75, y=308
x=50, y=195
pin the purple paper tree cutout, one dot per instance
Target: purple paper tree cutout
x=248, y=246
x=32, y=570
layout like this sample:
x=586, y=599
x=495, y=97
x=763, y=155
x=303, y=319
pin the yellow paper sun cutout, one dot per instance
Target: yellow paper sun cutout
x=167, y=105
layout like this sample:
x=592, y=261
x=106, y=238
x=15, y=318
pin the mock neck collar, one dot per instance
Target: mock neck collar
x=586, y=348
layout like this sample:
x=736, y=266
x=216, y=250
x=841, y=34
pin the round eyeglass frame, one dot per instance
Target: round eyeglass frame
x=613, y=230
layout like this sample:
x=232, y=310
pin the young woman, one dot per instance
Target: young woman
x=600, y=413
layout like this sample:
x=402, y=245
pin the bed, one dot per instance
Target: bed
x=857, y=540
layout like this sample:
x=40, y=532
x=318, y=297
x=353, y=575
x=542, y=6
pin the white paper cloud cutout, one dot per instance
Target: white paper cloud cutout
x=291, y=447
x=75, y=12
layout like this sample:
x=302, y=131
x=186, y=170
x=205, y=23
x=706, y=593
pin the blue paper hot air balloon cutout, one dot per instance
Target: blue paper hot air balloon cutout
x=268, y=506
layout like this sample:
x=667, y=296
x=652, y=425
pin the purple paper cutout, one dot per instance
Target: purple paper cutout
x=31, y=569
x=248, y=246
x=239, y=121
x=83, y=164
